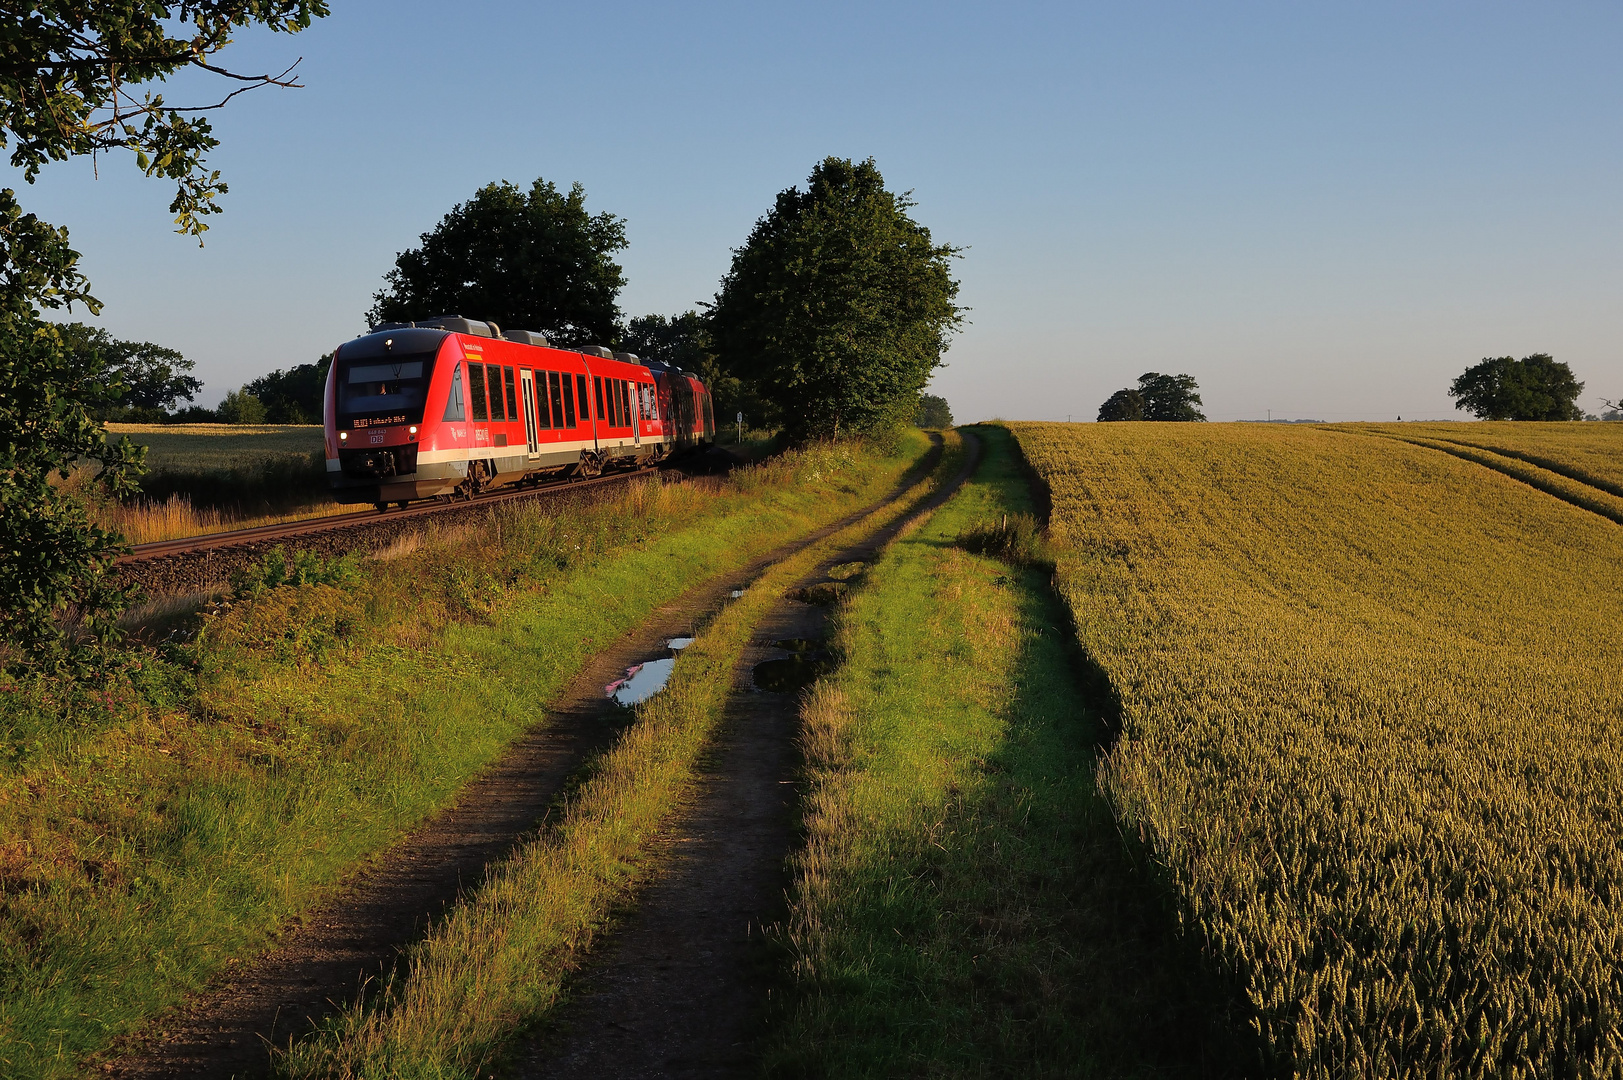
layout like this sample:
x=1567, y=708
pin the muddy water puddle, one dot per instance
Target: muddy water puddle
x=808, y=661
x=642, y=681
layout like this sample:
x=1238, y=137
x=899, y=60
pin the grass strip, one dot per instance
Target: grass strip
x=961, y=906
x=499, y=961
x=152, y=833
x=1581, y=493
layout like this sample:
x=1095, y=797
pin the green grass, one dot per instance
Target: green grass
x=223, y=447
x=498, y=962
x=962, y=906
x=156, y=830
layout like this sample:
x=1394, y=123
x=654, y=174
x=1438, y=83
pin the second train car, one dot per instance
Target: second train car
x=451, y=406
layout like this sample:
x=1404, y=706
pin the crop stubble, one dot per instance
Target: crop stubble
x=1370, y=700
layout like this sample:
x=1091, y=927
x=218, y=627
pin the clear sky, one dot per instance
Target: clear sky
x=1322, y=210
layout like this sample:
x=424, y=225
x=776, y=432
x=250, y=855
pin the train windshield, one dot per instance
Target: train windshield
x=386, y=390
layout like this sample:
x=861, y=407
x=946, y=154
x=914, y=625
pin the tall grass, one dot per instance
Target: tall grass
x=153, y=830
x=1369, y=700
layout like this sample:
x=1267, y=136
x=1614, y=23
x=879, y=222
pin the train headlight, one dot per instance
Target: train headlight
x=343, y=435
x=413, y=429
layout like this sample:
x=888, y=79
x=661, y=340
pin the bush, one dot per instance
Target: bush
x=300, y=568
x=1015, y=538
x=241, y=407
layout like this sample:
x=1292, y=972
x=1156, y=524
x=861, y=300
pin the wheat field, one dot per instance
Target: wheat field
x=1370, y=736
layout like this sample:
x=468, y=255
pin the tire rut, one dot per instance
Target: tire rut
x=681, y=987
x=329, y=956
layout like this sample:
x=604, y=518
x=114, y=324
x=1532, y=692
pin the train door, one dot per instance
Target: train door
x=527, y=382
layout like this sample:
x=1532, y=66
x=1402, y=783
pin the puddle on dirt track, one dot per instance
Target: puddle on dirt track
x=808, y=661
x=822, y=594
x=642, y=681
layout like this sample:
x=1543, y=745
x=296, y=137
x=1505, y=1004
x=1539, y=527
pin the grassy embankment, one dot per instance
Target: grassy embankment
x=498, y=963
x=1369, y=734
x=962, y=906
x=157, y=830
x=207, y=478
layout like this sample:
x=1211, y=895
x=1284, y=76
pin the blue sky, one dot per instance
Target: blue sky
x=1322, y=210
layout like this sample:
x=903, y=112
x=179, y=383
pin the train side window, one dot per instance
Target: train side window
x=493, y=383
x=453, y=399
x=625, y=402
x=542, y=413
x=569, y=400
x=620, y=402
x=556, y=394
x=476, y=389
x=512, y=393
x=582, y=397
x=597, y=381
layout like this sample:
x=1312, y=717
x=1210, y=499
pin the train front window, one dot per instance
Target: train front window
x=389, y=391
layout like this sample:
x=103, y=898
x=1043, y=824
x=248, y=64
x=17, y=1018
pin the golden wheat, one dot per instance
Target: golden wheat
x=1371, y=732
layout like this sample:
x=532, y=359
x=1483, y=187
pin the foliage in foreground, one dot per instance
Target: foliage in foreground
x=1369, y=698
x=838, y=306
x=66, y=90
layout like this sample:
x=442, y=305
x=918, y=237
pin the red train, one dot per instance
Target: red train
x=451, y=406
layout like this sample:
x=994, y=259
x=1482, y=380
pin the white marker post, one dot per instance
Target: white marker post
x=740, y=429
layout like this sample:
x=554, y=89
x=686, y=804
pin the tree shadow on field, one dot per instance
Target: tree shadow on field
x=1076, y=963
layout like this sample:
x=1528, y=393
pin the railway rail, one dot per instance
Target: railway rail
x=199, y=562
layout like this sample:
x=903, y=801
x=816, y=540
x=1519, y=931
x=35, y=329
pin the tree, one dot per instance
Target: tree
x=241, y=407
x=66, y=89
x=147, y=380
x=531, y=260
x=932, y=412
x=685, y=341
x=1170, y=397
x=838, y=306
x=1123, y=405
x=1536, y=387
x=294, y=396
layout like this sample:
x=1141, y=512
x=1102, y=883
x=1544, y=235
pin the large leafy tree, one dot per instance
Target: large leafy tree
x=526, y=260
x=1123, y=405
x=1170, y=397
x=69, y=75
x=145, y=380
x=1158, y=397
x=839, y=305
x=1536, y=387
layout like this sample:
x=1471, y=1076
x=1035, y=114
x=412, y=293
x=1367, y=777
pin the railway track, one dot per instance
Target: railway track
x=200, y=562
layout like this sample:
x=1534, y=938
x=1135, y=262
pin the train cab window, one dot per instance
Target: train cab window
x=581, y=396
x=569, y=400
x=453, y=399
x=557, y=395
x=512, y=394
x=476, y=391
